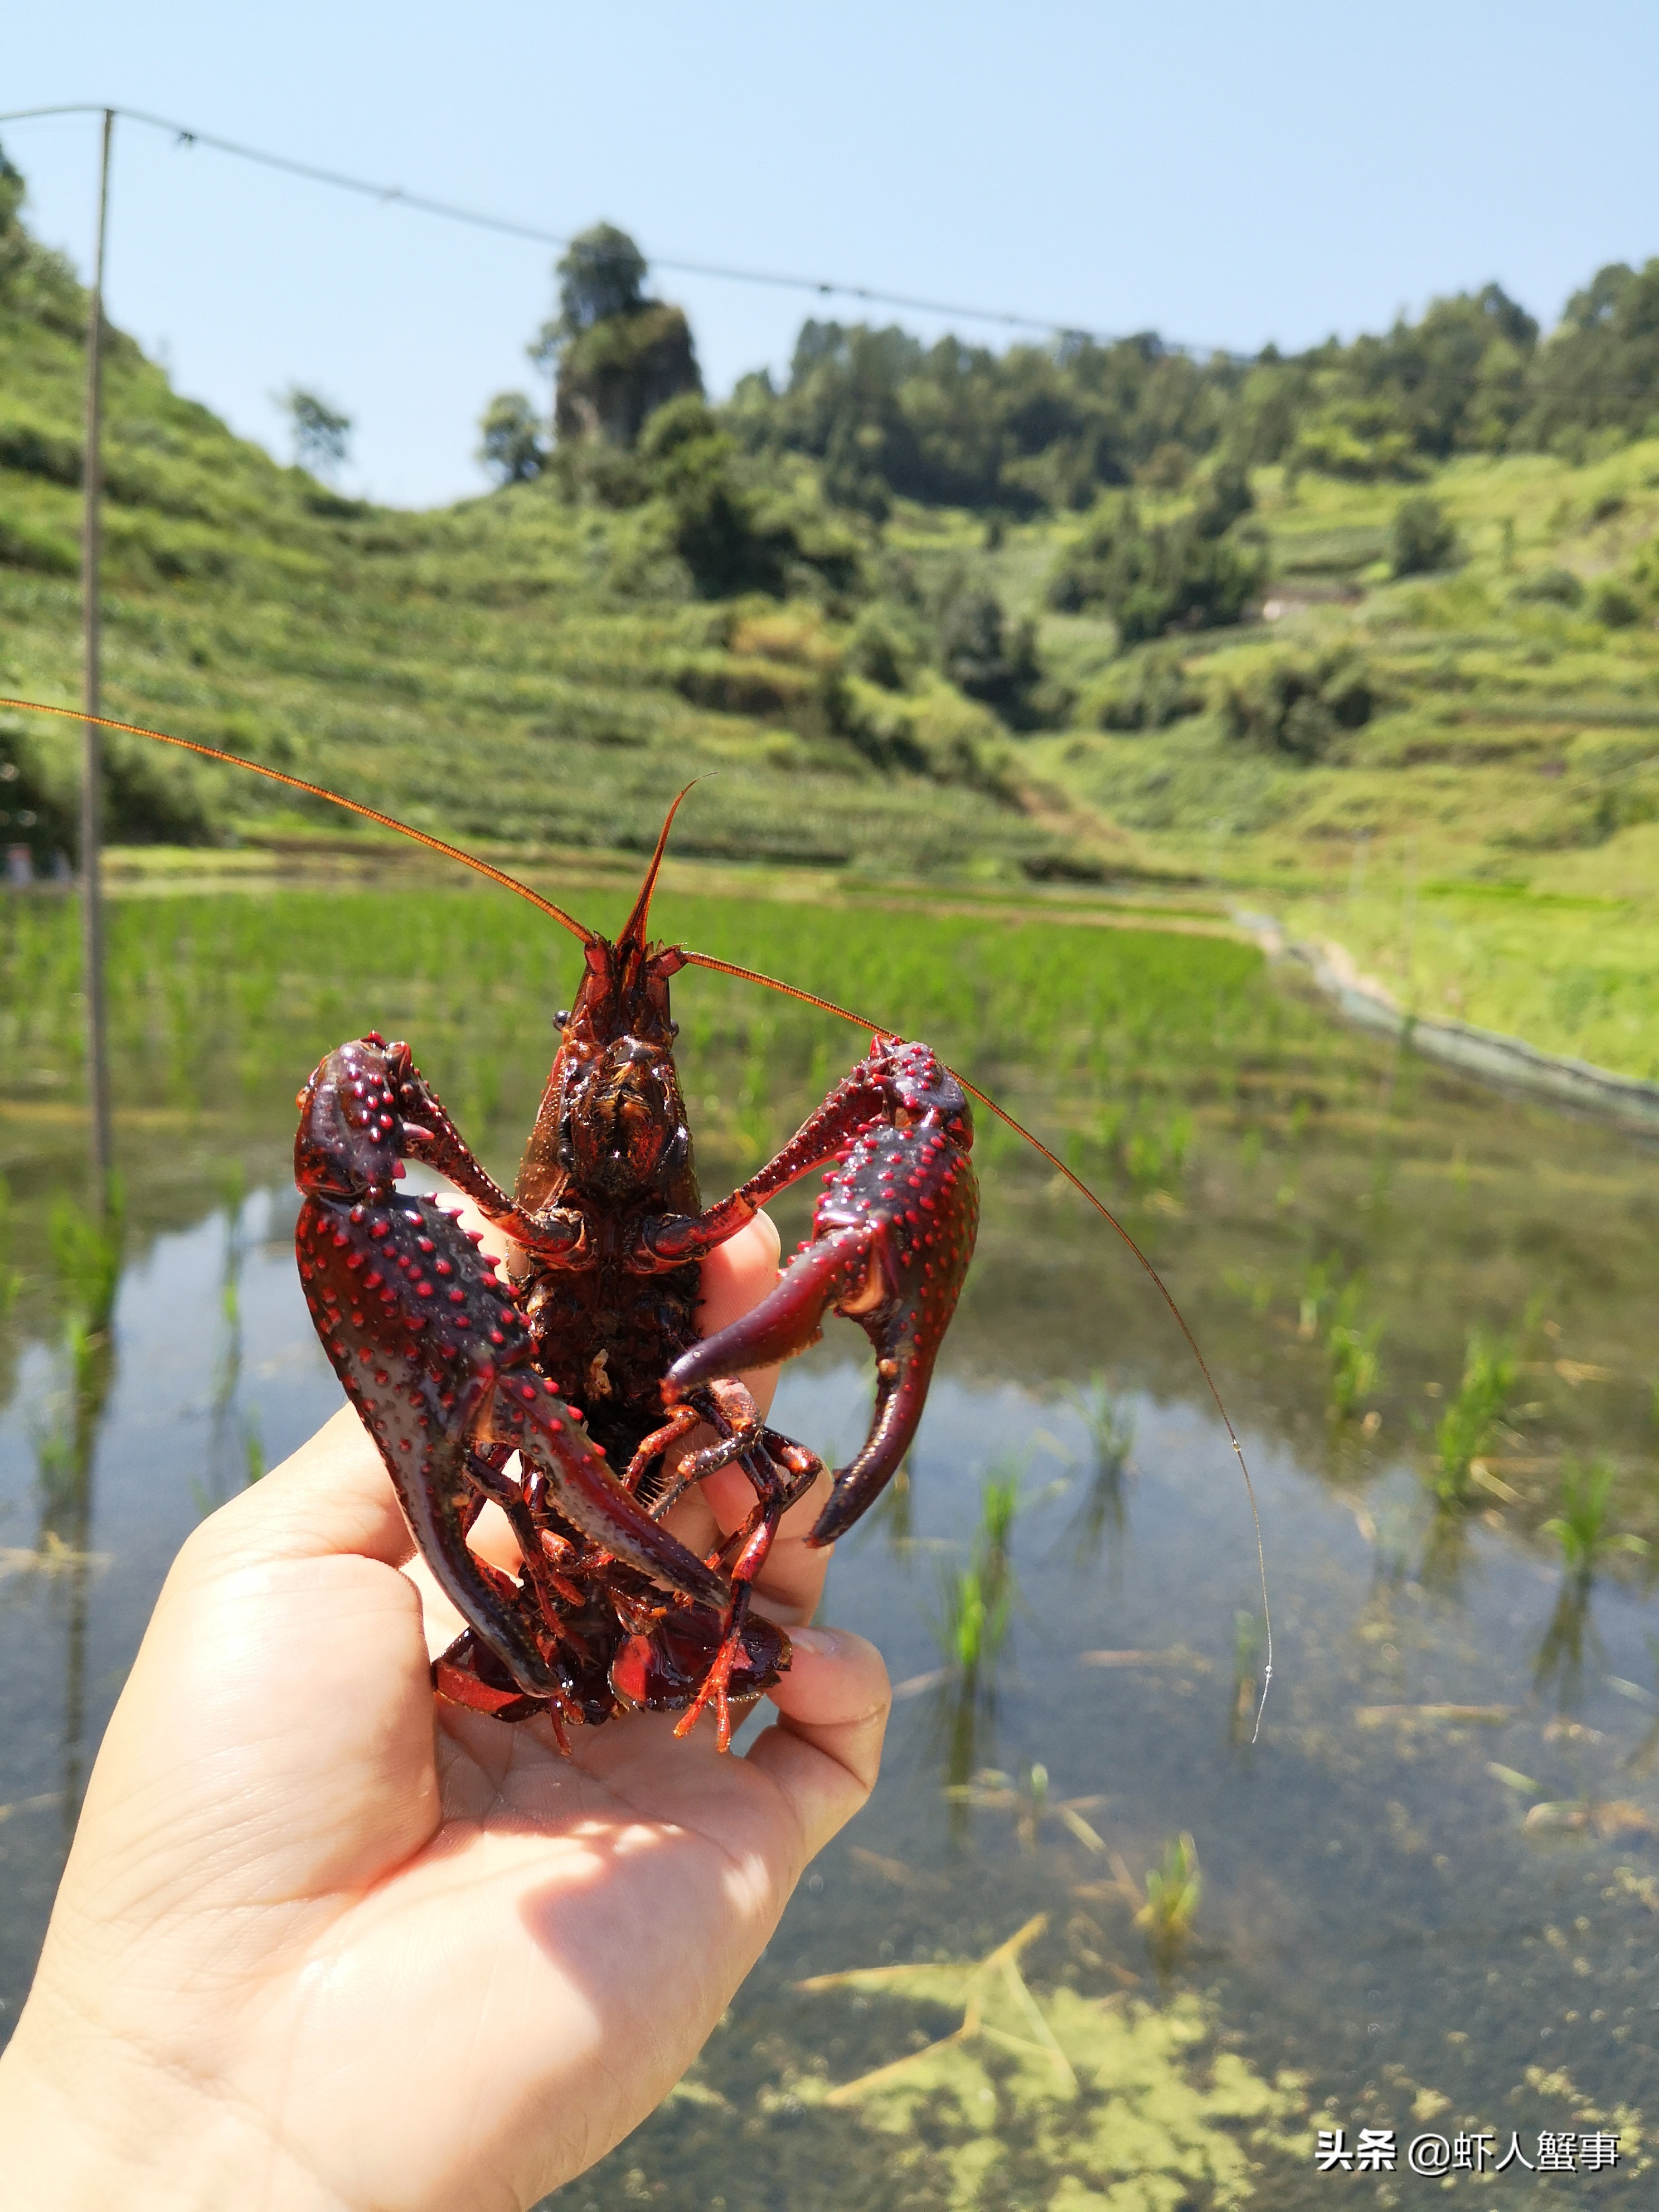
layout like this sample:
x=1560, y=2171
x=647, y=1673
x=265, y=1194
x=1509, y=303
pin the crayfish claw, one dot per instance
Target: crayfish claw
x=893, y=1235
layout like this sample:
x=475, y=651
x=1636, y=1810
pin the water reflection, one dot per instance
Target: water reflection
x=1558, y=1669
x=235, y=1454
x=87, y=1254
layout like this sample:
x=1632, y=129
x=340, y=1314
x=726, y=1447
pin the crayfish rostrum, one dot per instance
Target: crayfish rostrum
x=569, y=1393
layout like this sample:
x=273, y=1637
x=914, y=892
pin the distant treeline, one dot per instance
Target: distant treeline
x=885, y=415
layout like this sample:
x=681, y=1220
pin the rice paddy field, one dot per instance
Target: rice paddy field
x=1091, y=1943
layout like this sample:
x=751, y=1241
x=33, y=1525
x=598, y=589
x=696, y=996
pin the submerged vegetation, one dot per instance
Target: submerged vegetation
x=1173, y=1889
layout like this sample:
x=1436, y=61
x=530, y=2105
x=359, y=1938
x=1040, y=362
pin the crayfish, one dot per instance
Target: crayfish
x=469, y=1383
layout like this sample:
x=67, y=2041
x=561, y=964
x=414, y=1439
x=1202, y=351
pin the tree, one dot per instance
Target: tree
x=987, y=660
x=1198, y=572
x=688, y=462
x=510, y=441
x=13, y=239
x=602, y=275
x=1299, y=703
x=322, y=437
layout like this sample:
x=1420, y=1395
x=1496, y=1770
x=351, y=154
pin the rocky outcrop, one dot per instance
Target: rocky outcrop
x=622, y=370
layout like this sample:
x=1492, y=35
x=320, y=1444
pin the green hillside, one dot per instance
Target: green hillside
x=1369, y=639
x=1485, y=838
x=523, y=668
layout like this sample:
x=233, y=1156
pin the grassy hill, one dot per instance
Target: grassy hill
x=1455, y=772
x=1486, y=841
x=520, y=668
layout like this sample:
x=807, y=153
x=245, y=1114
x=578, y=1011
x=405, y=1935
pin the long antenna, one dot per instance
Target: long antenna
x=92, y=749
x=878, y=1028
x=316, y=791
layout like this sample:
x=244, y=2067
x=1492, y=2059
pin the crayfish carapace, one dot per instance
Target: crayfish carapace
x=571, y=1392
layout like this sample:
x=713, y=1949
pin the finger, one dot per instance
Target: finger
x=824, y=1750
x=736, y=1276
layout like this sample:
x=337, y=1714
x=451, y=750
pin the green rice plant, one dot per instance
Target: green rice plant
x=1462, y=1431
x=1581, y=1526
x=1319, y=1288
x=85, y=1254
x=1153, y=1152
x=1355, y=1368
x=1173, y=1892
x=1109, y=1424
x=1110, y=1427
x=977, y=1600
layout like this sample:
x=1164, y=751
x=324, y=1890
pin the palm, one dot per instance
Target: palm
x=422, y=1966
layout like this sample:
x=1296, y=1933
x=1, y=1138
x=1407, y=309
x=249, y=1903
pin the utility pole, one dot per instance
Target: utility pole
x=92, y=749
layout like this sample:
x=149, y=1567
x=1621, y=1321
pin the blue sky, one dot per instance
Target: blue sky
x=1225, y=175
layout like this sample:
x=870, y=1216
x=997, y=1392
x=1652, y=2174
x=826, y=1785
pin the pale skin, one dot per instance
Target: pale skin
x=324, y=1944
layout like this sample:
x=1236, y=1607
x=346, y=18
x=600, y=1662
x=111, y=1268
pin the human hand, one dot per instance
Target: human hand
x=323, y=1942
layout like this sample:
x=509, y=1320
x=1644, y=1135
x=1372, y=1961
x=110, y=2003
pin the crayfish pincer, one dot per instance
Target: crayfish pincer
x=466, y=1381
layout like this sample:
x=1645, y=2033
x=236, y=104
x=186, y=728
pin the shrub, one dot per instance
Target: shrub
x=1558, y=587
x=1422, y=539
x=1167, y=468
x=1299, y=703
x=510, y=439
x=883, y=648
x=987, y=657
x=1148, y=692
x=1362, y=439
x=690, y=463
x=1616, y=606
x=1198, y=573
x=32, y=813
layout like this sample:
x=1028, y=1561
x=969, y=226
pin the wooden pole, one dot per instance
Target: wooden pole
x=91, y=751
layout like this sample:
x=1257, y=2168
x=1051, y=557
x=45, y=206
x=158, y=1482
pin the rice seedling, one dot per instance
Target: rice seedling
x=1351, y=1348
x=1173, y=1892
x=1110, y=1428
x=971, y=1625
x=1319, y=1290
x=1463, y=1430
x=87, y=1255
x=1581, y=1526
x=1031, y=1801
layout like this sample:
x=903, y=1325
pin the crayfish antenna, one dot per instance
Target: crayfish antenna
x=861, y=1021
x=633, y=930
x=316, y=791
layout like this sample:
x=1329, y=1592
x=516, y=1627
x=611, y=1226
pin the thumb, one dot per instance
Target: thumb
x=824, y=1750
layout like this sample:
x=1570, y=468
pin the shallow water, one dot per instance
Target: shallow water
x=1383, y=1938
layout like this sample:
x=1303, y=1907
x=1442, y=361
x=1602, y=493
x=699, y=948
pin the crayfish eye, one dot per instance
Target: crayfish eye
x=561, y=1020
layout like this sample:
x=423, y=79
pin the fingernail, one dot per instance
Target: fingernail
x=817, y=1642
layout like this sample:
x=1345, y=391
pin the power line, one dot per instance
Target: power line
x=185, y=135
x=508, y=226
